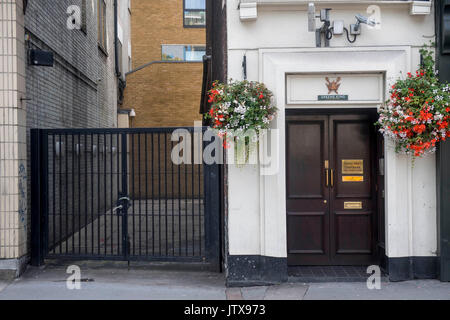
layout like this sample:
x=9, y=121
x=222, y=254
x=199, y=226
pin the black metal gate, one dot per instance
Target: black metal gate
x=116, y=194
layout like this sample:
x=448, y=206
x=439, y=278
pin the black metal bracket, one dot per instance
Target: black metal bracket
x=323, y=31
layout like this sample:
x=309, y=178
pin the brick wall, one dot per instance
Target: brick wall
x=163, y=95
x=80, y=91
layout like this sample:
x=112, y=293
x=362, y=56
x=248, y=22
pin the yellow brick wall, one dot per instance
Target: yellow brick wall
x=165, y=94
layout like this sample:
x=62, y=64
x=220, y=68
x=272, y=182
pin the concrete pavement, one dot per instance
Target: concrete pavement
x=143, y=284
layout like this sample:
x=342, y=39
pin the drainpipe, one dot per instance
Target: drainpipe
x=121, y=83
x=116, y=39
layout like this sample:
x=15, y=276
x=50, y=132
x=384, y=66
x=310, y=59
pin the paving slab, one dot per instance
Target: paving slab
x=286, y=292
x=234, y=294
x=3, y=285
x=50, y=284
x=254, y=293
x=408, y=290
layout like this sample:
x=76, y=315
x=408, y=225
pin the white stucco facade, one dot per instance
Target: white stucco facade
x=277, y=43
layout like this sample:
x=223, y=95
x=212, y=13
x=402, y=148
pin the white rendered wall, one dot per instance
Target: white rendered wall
x=278, y=43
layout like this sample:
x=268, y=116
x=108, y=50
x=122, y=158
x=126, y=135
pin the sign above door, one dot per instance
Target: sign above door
x=355, y=88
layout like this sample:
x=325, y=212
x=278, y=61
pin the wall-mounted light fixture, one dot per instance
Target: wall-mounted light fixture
x=330, y=29
x=132, y=115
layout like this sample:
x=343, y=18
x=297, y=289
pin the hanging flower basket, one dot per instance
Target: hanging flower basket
x=239, y=108
x=417, y=115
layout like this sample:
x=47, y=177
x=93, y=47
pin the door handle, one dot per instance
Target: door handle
x=327, y=166
x=332, y=178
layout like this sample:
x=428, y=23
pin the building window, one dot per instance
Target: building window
x=130, y=64
x=120, y=55
x=194, y=13
x=182, y=53
x=101, y=23
x=84, y=16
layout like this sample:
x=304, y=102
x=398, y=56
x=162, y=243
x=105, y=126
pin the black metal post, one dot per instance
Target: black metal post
x=38, y=197
x=212, y=214
x=443, y=152
x=125, y=247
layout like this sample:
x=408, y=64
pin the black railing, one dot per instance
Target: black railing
x=116, y=194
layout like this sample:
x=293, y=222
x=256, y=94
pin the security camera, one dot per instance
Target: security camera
x=355, y=29
x=365, y=20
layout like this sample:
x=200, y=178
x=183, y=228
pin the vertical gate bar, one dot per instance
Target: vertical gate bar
x=186, y=206
x=73, y=193
x=173, y=201
x=99, y=195
x=193, y=188
x=140, y=192
x=66, y=212
x=118, y=193
x=179, y=209
x=133, y=190
x=53, y=192
x=92, y=195
x=105, y=227
x=146, y=194
x=199, y=200
x=60, y=193
x=125, y=193
x=111, y=192
x=85, y=195
x=159, y=191
x=44, y=139
x=79, y=193
x=165, y=192
x=153, y=196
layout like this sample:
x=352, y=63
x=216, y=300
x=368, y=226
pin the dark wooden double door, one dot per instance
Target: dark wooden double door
x=331, y=196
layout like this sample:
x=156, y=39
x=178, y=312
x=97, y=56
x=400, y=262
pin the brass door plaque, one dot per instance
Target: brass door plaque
x=353, y=205
x=353, y=179
x=352, y=166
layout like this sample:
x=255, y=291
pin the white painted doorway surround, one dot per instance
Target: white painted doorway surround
x=257, y=203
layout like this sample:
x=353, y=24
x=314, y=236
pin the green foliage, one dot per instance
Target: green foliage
x=240, y=106
x=417, y=115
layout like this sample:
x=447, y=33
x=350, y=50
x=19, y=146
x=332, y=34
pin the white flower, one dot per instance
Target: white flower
x=240, y=109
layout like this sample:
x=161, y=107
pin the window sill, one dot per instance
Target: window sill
x=194, y=27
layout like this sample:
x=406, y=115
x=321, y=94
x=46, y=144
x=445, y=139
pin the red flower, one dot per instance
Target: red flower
x=419, y=128
x=442, y=124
